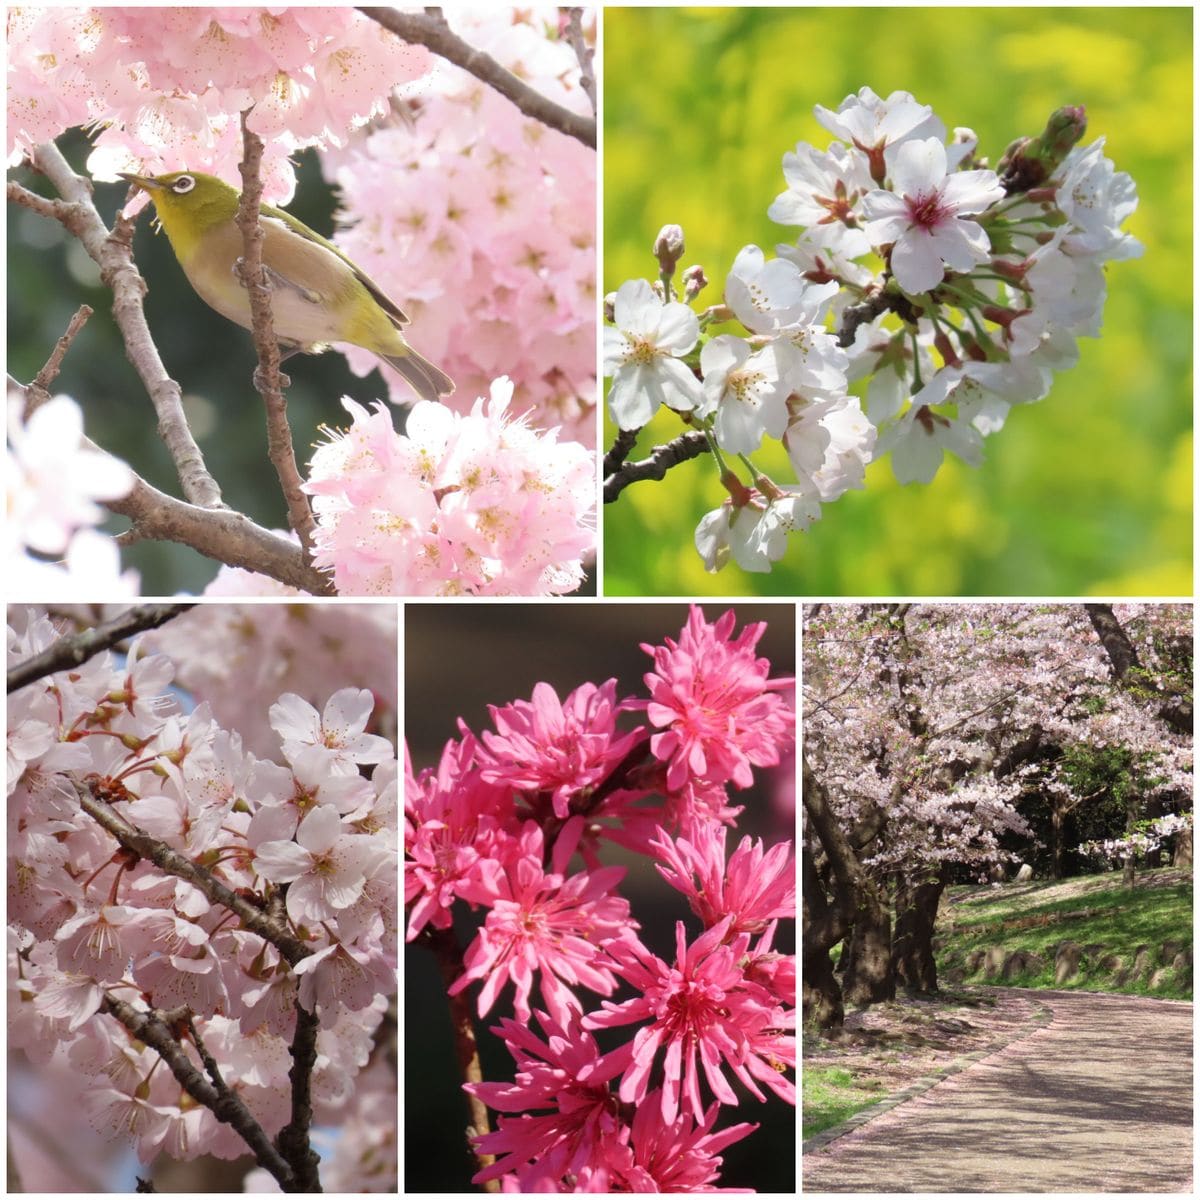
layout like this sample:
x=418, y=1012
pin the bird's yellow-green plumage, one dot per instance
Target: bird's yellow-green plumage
x=318, y=295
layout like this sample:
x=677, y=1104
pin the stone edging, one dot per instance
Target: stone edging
x=1041, y=1017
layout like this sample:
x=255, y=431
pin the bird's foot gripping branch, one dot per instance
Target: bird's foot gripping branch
x=955, y=289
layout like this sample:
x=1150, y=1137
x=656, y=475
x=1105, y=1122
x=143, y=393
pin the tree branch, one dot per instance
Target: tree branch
x=39, y=391
x=583, y=52
x=174, y=863
x=218, y=533
x=620, y=450
x=113, y=253
x=661, y=460
x=293, y=1138
x=446, y=950
x=432, y=31
x=74, y=650
x=152, y=1029
x=268, y=378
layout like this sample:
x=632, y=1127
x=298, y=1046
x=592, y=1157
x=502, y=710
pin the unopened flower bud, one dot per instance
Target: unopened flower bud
x=1029, y=162
x=610, y=306
x=668, y=248
x=694, y=282
x=946, y=349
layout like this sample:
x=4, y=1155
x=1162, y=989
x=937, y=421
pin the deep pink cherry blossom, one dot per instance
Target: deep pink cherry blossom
x=754, y=887
x=545, y=922
x=719, y=712
x=583, y=1115
x=703, y=1007
x=564, y=748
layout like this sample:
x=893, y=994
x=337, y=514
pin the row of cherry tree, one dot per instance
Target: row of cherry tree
x=932, y=732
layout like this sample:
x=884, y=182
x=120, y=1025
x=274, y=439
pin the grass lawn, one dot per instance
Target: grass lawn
x=1118, y=923
x=832, y=1094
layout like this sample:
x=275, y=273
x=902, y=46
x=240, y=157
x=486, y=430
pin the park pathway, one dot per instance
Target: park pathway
x=1098, y=1100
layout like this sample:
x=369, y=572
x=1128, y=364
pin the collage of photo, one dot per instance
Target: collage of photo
x=683, y=457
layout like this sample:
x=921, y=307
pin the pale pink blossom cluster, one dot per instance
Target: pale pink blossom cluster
x=964, y=686
x=511, y=822
x=484, y=220
x=988, y=278
x=52, y=481
x=308, y=834
x=164, y=87
x=474, y=504
x=1152, y=836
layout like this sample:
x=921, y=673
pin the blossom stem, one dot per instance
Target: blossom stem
x=449, y=957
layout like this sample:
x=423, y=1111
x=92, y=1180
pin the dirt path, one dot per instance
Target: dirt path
x=1099, y=1100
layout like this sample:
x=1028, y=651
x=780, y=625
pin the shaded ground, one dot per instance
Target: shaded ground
x=892, y=1046
x=1098, y=1100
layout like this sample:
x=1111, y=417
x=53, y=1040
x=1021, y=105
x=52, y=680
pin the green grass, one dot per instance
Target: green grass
x=831, y=1095
x=1122, y=921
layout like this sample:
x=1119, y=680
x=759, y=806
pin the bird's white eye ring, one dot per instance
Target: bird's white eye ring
x=183, y=184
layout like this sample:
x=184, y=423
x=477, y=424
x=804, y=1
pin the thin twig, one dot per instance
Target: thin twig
x=174, y=863
x=583, y=52
x=293, y=1139
x=113, y=253
x=268, y=378
x=446, y=950
x=661, y=460
x=151, y=1029
x=430, y=29
x=75, y=649
x=49, y=373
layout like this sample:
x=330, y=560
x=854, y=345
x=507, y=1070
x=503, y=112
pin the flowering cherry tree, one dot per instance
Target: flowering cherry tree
x=953, y=288
x=624, y=1057
x=464, y=152
x=207, y=937
x=928, y=729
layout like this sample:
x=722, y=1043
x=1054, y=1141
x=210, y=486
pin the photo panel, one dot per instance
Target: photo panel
x=600, y=886
x=998, y=915
x=202, y=898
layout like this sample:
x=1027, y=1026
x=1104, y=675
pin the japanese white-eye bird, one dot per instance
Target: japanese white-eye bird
x=318, y=295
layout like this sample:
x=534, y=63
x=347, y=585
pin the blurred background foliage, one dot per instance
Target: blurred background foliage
x=50, y=276
x=1088, y=492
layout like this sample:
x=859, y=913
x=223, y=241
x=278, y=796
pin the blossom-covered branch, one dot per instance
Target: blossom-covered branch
x=430, y=29
x=73, y=650
x=988, y=278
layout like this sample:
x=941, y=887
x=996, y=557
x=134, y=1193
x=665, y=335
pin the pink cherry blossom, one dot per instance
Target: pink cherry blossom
x=565, y=748
x=542, y=921
x=719, y=712
x=339, y=729
x=702, y=1007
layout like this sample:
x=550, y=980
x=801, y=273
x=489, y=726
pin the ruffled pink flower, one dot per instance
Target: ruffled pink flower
x=753, y=887
x=675, y=1156
x=583, y=1116
x=702, y=1007
x=719, y=713
x=451, y=818
x=542, y=921
x=563, y=748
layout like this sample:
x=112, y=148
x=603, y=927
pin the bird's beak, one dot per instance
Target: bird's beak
x=143, y=181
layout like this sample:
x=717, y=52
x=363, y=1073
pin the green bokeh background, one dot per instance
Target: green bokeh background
x=1086, y=493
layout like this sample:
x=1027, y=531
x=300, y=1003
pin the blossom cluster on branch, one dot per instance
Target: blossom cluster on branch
x=954, y=289
x=486, y=218
x=512, y=822
x=207, y=936
x=164, y=87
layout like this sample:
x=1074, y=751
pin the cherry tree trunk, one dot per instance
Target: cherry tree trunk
x=912, y=944
x=1057, y=848
x=869, y=978
x=1183, y=849
x=824, y=927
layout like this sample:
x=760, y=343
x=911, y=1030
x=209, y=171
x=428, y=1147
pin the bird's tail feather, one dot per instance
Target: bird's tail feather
x=428, y=381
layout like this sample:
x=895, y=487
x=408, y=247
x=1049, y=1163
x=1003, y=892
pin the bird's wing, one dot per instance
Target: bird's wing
x=384, y=301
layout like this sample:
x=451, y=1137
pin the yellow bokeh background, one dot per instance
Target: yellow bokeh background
x=1088, y=492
